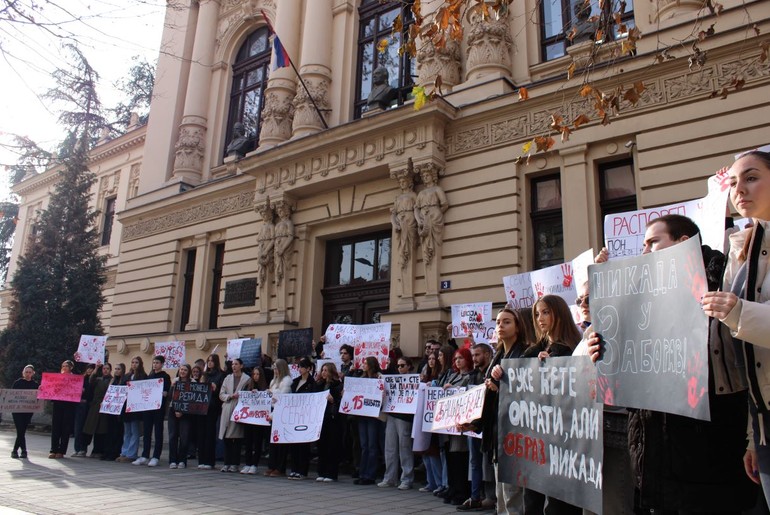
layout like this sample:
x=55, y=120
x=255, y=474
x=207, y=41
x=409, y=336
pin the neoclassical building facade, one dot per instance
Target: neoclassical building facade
x=317, y=209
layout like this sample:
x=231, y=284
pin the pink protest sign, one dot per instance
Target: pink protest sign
x=174, y=352
x=60, y=387
x=91, y=349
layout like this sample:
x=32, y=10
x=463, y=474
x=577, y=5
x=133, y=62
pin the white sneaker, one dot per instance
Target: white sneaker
x=245, y=469
x=225, y=468
x=139, y=461
x=320, y=479
x=205, y=467
x=385, y=484
x=252, y=470
x=181, y=465
x=172, y=465
x=329, y=480
x=404, y=486
x=153, y=462
x=233, y=468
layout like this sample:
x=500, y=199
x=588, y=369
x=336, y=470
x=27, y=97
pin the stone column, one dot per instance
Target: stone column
x=432, y=62
x=191, y=144
x=195, y=323
x=489, y=47
x=405, y=239
x=315, y=69
x=278, y=113
x=283, y=251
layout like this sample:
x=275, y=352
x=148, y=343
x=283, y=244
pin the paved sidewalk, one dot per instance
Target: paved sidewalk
x=82, y=486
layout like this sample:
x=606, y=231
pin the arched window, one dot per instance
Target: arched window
x=250, y=73
x=375, y=24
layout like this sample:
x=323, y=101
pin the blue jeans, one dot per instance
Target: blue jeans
x=432, y=471
x=369, y=433
x=476, y=467
x=130, y=447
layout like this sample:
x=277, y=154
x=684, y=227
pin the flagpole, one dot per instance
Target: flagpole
x=286, y=52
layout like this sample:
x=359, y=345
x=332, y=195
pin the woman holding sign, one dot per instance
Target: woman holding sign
x=330, y=443
x=232, y=432
x=743, y=305
x=254, y=434
x=96, y=423
x=398, y=441
x=62, y=420
x=300, y=452
x=179, y=427
x=369, y=430
x=132, y=422
x=22, y=420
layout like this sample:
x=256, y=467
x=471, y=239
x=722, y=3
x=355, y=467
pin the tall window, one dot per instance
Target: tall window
x=376, y=22
x=109, y=217
x=216, y=284
x=358, y=261
x=580, y=20
x=187, y=285
x=250, y=73
x=547, y=226
x=617, y=193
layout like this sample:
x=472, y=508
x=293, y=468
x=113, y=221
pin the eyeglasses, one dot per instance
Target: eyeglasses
x=580, y=300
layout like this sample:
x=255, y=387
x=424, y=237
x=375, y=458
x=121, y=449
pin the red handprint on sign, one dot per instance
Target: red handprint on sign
x=723, y=179
x=566, y=269
x=697, y=280
x=539, y=289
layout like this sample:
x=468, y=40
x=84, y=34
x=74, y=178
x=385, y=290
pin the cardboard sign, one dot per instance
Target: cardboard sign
x=114, y=399
x=298, y=417
x=401, y=393
x=433, y=394
x=60, y=387
x=20, y=401
x=460, y=408
x=234, y=348
x=373, y=340
x=174, y=352
x=551, y=429
x=253, y=408
x=251, y=352
x=472, y=318
x=362, y=396
x=190, y=398
x=647, y=308
x=144, y=395
x=624, y=232
x=295, y=342
x=91, y=349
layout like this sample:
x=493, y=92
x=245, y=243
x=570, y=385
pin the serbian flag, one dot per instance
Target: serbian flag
x=280, y=56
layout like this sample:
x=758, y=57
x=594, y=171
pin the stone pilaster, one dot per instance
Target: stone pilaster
x=489, y=47
x=432, y=62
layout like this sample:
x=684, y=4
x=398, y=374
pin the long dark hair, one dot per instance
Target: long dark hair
x=261, y=382
x=523, y=334
x=372, y=367
x=765, y=158
x=564, y=330
x=331, y=372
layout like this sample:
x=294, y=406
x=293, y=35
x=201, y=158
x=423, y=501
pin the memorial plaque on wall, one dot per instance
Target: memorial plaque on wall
x=242, y=292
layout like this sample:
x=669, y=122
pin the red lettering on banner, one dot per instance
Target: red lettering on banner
x=525, y=447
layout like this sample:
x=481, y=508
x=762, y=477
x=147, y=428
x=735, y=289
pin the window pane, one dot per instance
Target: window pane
x=547, y=195
x=383, y=259
x=549, y=243
x=629, y=23
x=363, y=266
x=367, y=28
x=367, y=67
x=386, y=20
x=258, y=46
x=251, y=110
x=254, y=76
x=618, y=182
x=554, y=51
x=345, y=264
x=552, y=18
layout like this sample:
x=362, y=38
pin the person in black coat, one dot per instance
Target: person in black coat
x=22, y=420
x=330, y=443
x=300, y=452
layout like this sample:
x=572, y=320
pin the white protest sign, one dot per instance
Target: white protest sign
x=91, y=349
x=294, y=371
x=471, y=318
x=555, y=280
x=519, y=292
x=20, y=401
x=338, y=335
x=234, y=348
x=401, y=393
x=421, y=440
x=580, y=267
x=432, y=395
x=144, y=395
x=460, y=408
x=114, y=400
x=373, y=340
x=253, y=408
x=174, y=352
x=362, y=396
x=298, y=417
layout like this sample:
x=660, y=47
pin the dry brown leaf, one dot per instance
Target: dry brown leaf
x=631, y=96
x=556, y=122
x=580, y=120
x=765, y=47
x=723, y=93
x=586, y=90
x=523, y=94
x=572, y=34
x=756, y=29
x=639, y=87
x=617, y=18
x=565, y=132
x=622, y=8
x=739, y=83
x=543, y=143
x=599, y=36
x=398, y=25
x=571, y=70
x=627, y=47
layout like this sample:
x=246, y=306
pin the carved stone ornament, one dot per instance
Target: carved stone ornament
x=189, y=149
x=432, y=62
x=489, y=47
x=277, y=117
x=305, y=115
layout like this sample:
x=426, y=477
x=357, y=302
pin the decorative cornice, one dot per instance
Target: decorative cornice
x=197, y=213
x=524, y=121
x=117, y=146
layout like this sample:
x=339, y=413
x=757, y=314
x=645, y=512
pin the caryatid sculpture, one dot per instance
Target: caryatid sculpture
x=265, y=241
x=403, y=215
x=284, y=239
x=429, y=212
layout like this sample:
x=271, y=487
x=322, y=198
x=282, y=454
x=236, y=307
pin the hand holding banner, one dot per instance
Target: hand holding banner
x=174, y=352
x=298, y=417
x=458, y=409
x=19, y=401
x=60, y=387
x=362, y=396
x=145, y=395
x=91, y=349
x=401, y=393
x=114, y=400
x=253, y=408
x=470, y=319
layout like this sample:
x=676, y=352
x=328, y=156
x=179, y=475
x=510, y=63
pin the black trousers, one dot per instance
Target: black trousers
x=153, y=426
x=21, y=421
x=330, y=447
x=62, y=422
x=253, y=439
x=233, y=451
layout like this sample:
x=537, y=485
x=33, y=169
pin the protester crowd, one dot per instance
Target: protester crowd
x=667, y=464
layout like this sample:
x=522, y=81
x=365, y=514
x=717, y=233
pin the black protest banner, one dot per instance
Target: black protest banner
x=550, y=429
x=190, y=398
x=295, y=342
x=647, y=309
x=251, y=352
